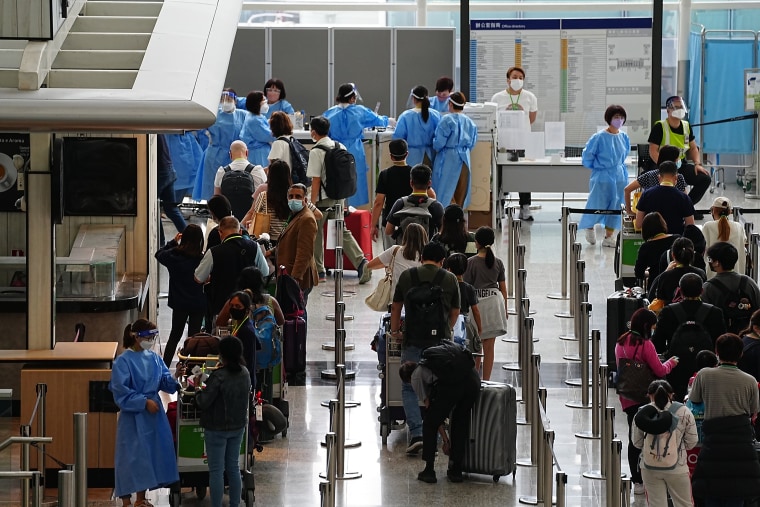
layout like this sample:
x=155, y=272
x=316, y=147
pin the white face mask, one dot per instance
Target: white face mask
x=679, y=113
x=516, y=84
x=228, y=107
x=264, y=108
x=147, y=344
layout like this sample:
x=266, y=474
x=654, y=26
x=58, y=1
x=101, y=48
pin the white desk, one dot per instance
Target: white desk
x=541, y=175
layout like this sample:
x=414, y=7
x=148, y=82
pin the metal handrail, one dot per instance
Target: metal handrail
x=25, y=440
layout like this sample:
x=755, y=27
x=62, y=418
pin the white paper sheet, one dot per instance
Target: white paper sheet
x=555, y=135
x=332, y=235
x=534, y=146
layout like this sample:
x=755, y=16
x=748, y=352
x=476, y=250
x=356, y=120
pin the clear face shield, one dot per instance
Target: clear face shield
x=227, y=102
x=355, y=92
x=678, y=109
x=410, y=101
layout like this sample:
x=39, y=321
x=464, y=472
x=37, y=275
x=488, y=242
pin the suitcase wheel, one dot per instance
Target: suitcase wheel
x=496, y=478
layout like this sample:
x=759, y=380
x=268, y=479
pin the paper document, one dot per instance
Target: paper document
x=332, y=234
x=534, y=146
x=555, y=135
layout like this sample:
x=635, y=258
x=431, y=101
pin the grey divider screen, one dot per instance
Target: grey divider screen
x=247, y=69
x=300, y=60
x=422, y=56
x=363, y=56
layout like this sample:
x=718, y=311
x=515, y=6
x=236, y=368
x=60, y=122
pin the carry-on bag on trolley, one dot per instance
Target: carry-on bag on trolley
x=620, y=308
x=492, y=447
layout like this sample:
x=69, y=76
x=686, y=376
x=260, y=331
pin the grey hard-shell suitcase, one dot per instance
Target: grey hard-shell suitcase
x=492, y=447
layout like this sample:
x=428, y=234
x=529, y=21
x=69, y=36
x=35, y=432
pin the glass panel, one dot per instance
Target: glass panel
x=746, y=19
x=712, y=20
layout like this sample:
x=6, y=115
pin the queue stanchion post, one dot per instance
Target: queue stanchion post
x=575, y=255
x=513, y=238
x=754, y=254
x=613, y=478
x=520, y=264
x=563, y=294
x=530, y=376
x=580, y=278
x=560, y=483
x=597, y=385
x=625, y=492
x=538, y=430
x=340, y=429
x=583, y=289
x=608, y=433
x=520, y=278
x=584, y=357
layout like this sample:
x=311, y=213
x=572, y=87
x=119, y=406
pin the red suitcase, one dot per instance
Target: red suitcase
x=358, y=223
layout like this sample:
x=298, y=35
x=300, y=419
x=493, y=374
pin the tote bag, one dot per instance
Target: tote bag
x=260, y=223
x=633, y=378
x=381, y=296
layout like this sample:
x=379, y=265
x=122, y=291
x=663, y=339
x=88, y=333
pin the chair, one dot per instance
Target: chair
x=573, y=151
x=645, y=162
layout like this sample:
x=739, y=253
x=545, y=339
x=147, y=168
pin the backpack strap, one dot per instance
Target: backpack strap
x=227, y=168
x=415, y=276
x=249, y=168
x=679, y=312
x=702, y=313
x=438, y=278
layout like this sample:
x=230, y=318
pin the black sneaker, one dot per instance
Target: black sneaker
x=415, y=446
x=428, y=477
x=454, y=475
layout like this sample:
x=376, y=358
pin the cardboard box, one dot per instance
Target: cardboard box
x=476, y=219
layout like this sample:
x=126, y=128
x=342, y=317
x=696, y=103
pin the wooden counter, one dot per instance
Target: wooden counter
x=80, y=352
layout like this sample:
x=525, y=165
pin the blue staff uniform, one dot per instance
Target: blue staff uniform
x=225, y=130
x=281, y=105
x=347, y=124
x=442, y=106
x=257, y=135
x=455, y=137
x=605, y=155
x=145, y=457
x=418, y=134
x=186, y=154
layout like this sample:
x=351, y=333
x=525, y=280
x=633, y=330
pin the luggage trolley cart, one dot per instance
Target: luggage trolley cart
x=192, y=462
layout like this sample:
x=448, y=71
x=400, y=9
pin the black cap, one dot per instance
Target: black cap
x=653, y=421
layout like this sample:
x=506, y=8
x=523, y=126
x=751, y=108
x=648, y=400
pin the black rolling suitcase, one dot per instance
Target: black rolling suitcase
x=620, y=308
x=294, y=350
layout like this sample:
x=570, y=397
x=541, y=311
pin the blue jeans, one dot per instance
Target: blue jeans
x=223, y=451
x=409, y=397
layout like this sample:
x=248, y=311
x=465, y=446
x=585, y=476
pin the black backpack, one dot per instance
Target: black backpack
x=448, y=361
x=425, y=318
x=340, y=172
x=415, y=211
x=289, y=295
x=689, y=338
x=238, y=187
x=299, y=160
x=737, y=307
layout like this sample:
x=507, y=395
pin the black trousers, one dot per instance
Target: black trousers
x=699, y=182
x=179, y=319
x=456, y=399
x=524, y=198
x=633, y=452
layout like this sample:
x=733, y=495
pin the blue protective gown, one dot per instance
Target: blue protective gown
x=455, y=137
x=225, y=130
x=145, y=457
x=442, y=106
x=418, y=134
x=280, y=105
x=186, y=156
x=605, y=155
x=347, y=124
x=257, y=135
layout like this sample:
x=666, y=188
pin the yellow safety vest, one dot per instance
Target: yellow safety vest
x=680, y=141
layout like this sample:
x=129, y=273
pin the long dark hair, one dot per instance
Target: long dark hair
x=683, y=251
x=192, y=241
x=642, y=321
x=754, y=320
x=662, y=391
x=253, y=101
x=485, y=237
x=278, y=183
x=421, y=94
x=251, y=278
x=413, y=241
x=130, y=332
x=454, y=230
x=231, y=352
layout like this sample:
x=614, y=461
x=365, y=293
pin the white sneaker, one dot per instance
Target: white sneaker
x=591, y=236
x=638, y=489
x=609, y=242
x=525, y=213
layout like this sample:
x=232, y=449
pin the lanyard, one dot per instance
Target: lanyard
x=514, y=103
x=238, y=326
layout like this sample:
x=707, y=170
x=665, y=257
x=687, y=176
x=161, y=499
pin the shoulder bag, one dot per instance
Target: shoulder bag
x=260, y=223
x=633, y=378
x=381, y=296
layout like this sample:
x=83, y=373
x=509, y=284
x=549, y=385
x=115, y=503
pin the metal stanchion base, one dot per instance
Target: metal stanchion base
x=350, y=443
x=331, y=346
x=532, y=500
x=515, y=339
x=330, y=374
x=594, y=474
x=511, y=367
x=512, y=311
x=573, y=357
x=346, y=293
x=568, y=337
x=347, y=476
x=522, y=422
x=331, y=317
x=349, y=403
x=577, y=404
x=564, y=315
x=588, y=435
x=524, y=463
x=573, y=382
x=557, y=295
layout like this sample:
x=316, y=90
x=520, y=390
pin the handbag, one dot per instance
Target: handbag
x=633, y=378
x=381, y=296
x=260, y=222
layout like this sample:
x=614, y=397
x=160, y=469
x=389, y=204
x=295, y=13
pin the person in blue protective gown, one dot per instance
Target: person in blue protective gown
x=256, y=133
x=347, y=123
x=186, y=154
x=417, y=127
x=226, y=128
x=605, y=155
x=455, y=138
x=145, y=458
x=443, y=87
x=275, y=94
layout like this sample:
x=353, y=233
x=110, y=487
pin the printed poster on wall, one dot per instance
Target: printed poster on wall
x=14, y=162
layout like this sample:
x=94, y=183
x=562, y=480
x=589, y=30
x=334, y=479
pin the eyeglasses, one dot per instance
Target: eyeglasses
x=272, y=90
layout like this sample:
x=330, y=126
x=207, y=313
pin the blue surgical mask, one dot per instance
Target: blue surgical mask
x=678, y=163
x=295, y=205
